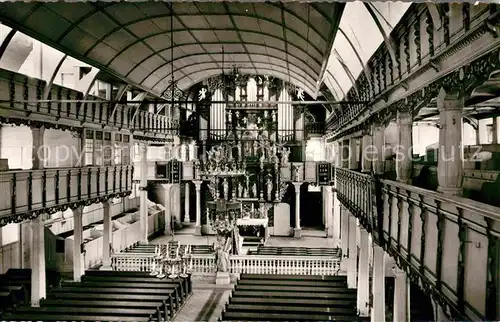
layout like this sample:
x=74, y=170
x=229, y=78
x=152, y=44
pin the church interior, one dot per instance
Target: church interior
x=249, y=161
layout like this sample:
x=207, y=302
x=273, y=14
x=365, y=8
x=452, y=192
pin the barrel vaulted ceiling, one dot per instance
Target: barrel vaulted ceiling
x=131, y=40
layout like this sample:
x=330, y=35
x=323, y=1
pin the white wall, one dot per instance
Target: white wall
x=423, y=136
x=63, y=148
x=16, y=145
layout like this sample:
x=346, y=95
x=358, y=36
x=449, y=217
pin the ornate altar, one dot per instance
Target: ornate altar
x=244, y=169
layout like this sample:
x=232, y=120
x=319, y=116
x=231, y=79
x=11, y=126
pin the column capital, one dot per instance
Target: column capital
x=363, y=232
x=167, y=186
x=398, y=272
x=197, y=184
x=449, y=101
x=297, y=185
x=107, y=203
x=78, y=210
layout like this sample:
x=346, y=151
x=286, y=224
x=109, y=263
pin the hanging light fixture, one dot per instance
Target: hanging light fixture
x=172, y=93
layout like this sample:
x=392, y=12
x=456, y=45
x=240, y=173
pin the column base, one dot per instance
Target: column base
x=167, y=232
x=297, y=232
x=106, y=267
x=197, y=230
x=222, y=278
x=450, y=191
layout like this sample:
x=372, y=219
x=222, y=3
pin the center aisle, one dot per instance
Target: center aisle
x=205, y=304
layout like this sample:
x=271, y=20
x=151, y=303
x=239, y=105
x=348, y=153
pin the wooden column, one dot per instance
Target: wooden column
x=378, y=146
x=353, y=153
x=344, y=237
x=37, y=255
x=366, y=152
x=78, y=260
x=401, y=285
x=107, y=237
x=378, y=284
x=450, y=164
x=363, y=274
x=297, y=230
x=197, y=227
x=404, y=149
x=187, y=219
x=352, y=263
x=143, y=194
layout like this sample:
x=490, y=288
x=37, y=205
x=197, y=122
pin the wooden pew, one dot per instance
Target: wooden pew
x=142, y=292
x=260, y=316
x=299, y=309
x=294, y=301
x=169, y=299
x=283, y=288
x=36, y=316
x=292, y=277
x=187, y=282
x=299, y=295
x=110, y=289
x=158, y=306
x=325, y=283
x=182, y=293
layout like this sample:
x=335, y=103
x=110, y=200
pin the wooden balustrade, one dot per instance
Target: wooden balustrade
x=29, y=193
x=203, y=264
x=359, y=193
x=417, y=61
x=297, y=265
x=15, y=86
x=257, y=264
x=137, y=262
x=448, y=245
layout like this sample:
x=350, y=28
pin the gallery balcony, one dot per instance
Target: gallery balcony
x=447, y=244
x=25, y=194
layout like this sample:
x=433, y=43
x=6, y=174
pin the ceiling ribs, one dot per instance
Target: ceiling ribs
x=131, y=33
x=200, y=54
x=283, y=24
x=239, y=35
x=240, y=62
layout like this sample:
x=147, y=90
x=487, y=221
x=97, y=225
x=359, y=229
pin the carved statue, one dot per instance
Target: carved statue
x=222, y=248
x=254, y=190
x=300, y=94
x=269, y=188
x=202, y=94
x=229, y=117
x=273, y=115
x=284, y=157
x=240, y=189
x=225, y=186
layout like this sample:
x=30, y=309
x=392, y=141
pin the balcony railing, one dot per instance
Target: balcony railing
x=28, y=193
x=448, y=245
x=315, y=129
x=19, y=89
